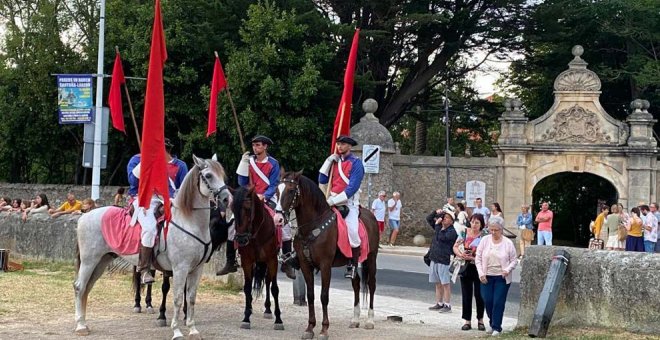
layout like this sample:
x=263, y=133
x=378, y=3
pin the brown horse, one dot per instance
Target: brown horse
x=316, y=246
x=257, y=245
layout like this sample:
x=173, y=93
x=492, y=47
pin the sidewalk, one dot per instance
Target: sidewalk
x=403, y=250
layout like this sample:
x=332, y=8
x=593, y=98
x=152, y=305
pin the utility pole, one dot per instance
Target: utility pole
x=447, y=141
x=98, y=112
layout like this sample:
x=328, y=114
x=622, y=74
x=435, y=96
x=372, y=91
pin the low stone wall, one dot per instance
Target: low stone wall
x=56, y=193
x=601, y=289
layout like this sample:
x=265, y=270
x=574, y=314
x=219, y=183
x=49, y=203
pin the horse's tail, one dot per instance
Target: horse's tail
x=365, y=281
x=259, y=279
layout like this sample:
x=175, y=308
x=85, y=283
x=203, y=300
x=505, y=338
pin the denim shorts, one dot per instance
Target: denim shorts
x=394, y=224
x=439, y=272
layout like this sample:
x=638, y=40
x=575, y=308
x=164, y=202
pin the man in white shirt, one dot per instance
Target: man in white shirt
x=378, y=208
x=480, y=209
x=394, y=212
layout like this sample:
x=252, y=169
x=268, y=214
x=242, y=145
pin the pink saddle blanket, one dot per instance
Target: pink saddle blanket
x=343, y=242
x=117, y=232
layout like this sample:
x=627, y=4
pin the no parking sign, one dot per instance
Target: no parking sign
x=371, y=158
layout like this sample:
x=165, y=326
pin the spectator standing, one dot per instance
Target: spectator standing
x=496, y=211
x=394, y=216
x=657, y=216
x=612, y=227
x=598, y=231
x=68, y=207
x=480, y=209
x=635, y=239
x=120, y=199
x=524, y=223
x=466, y=248
x=495, y=260
x=442, y=247
x=462, y=221
x=38, y=206
x=450, y=206
x=544, y=219
x=650, y=229
x=378, y=207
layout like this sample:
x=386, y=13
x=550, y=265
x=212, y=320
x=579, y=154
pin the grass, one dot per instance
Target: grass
x=567, y=333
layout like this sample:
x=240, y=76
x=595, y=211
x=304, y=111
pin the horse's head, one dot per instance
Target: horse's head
x=245, y=207
x=212, y=182
x=288, y=192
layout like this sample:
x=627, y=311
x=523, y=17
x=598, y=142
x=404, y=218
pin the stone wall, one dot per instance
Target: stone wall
x=56, y=193
x=600, y=289
x=421, y=182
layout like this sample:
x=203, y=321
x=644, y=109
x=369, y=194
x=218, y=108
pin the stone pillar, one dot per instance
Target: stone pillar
x=642, y=154
x=369, y=131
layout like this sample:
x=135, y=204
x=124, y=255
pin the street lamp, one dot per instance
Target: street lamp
x=447, y=142
x=98, y=112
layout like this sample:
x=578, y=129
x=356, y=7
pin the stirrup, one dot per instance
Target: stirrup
x=290, y=259
x=351, y=272
x=147, y=278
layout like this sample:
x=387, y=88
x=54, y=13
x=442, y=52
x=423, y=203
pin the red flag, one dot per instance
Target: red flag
x=114, y=97
x=343, y=119
x=218, y=84
x=153, y=172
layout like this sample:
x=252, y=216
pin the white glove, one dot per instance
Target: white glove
x=136, y=171
x=337, y=199
x=325, y=169
x=244, y=165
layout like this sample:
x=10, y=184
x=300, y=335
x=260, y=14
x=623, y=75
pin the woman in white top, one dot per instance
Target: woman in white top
x=496, y=258
x=496, y=211
x=39, y=206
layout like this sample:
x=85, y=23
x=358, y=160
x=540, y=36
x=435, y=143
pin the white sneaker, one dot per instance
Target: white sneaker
x=495, y=333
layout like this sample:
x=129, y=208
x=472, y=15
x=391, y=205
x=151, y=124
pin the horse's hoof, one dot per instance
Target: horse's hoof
x=161, y=322
x=245, y=325
x=268, y=315
x=323, y=337
x=278, y=327
x=195, y=336
x=308, y=335
x=354, y=325
x=369, y=325
x=137, y=310
x=84, y=331
x=150, y=310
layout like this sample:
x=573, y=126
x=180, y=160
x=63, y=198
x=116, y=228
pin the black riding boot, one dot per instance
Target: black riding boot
x=144, y=264
x=351, y=268
x=285, y=267
x=230, y=264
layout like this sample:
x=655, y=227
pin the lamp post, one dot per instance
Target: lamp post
x=98, y=112
x=447, y=142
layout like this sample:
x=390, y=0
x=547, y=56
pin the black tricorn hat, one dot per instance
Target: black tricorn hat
x=347, y=140
x=262, y=139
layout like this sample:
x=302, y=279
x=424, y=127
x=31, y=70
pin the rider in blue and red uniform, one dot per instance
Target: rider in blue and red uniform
x=348, y=171
x=176, y=172
x=263, y=172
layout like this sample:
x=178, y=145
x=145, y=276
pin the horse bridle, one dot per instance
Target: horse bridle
x=216, y=193
x=247, y=236
x=296, y=195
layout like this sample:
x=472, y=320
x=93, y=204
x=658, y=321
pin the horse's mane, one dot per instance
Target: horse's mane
x=240, y=196
x=188, y=189
x=310, y=190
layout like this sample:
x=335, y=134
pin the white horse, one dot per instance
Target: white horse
x=186, y=249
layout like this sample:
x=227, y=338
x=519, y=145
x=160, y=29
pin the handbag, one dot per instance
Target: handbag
x=621, y=233
x=457, y=263
x=596, y=244
x=427, y=258
x=528, y=234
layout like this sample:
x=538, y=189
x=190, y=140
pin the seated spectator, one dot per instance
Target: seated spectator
x=120, y=198
x=16, y=204
x=68, y=207
x=39, y=205
x=87, y=205
x=5, y=204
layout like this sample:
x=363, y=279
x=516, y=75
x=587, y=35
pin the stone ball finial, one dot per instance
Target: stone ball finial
x=577, y=50
x=507, y=104
x=645, y=105
x=516, y=103
x=370, y=106
x=636, y=104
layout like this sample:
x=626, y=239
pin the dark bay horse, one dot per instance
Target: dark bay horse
x=316, y=246
x=219, y=228
x=257, y=245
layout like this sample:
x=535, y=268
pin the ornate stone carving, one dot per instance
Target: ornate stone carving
x=576, y=125
x=577, y=77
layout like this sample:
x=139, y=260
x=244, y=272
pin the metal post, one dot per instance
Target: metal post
x=369, y=191
x=98, y=113
x=447, y=141
x=545, y=307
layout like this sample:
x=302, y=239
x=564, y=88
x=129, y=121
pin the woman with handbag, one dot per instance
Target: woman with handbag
x=495, y=260
x=612, y=225
x=524, y=223
x=635, y=239
x=465, y=248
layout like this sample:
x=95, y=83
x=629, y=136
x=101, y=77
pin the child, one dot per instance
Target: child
x=87, y=205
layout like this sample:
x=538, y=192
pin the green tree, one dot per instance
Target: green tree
x=620, y=38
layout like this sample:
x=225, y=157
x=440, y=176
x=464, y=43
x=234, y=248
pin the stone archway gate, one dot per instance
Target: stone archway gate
x=576, y=135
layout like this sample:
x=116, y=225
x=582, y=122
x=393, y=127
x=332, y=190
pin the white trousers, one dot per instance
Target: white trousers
x=147, y=220
x=352, y=221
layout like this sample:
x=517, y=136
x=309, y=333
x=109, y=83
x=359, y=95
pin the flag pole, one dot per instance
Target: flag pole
x=130, y=107
x=233, y=110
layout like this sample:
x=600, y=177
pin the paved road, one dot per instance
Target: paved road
x=406, y=277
